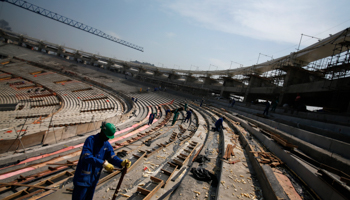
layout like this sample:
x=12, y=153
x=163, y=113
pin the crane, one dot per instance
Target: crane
x=65, y=20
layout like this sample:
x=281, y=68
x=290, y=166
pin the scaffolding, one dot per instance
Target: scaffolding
x=339, y=63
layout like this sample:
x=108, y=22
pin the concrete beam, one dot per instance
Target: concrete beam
x=230, y=82
x=297, y=75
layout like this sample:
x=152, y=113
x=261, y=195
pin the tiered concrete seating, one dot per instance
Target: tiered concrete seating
x=64, y=97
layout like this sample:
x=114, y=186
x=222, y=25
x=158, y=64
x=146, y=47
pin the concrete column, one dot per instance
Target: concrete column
x=77, y=56
x=61, y=51
x=41, y=47
x=142, y=71
x=173, y=76
x=92, y=61
x=253, y=82
x=157, y=73
x=296, y=75
x=190, y=79
x=110, y=64
x=125, y=68
x=21, y=41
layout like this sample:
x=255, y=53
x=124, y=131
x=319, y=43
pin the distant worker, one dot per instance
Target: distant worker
x=150, y=119
x=167, y=111
x=188, y=116
x=267, y=106
x=185, y=106
x=201, y=103
x=97, y=153
x=176, y=114
x=297, y=104
x=135, y=100
x=156, y=113
x=233, y=102
x=219, y=124
x=132, y=99
x=274, y=105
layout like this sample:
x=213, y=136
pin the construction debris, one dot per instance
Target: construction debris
x=232, y=161
x=267, y=158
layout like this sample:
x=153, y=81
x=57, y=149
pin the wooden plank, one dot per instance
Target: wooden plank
x=160, y=184
x=171, y=164
x=19, y=193
x=345, y=180
x=183, y=155
x=50, y=191
x=30, y=194
x=29, y=186
x=177, y=162
x=170, y=175
x=166, y=172
x=143, y=191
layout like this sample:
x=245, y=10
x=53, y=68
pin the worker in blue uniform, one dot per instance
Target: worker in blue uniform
x=188, y=117
x=97, y=153
x=167, y=111
x=218, y=124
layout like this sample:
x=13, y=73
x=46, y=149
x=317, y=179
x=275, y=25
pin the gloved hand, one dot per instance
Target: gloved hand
x=108, y=166
x=126, y=163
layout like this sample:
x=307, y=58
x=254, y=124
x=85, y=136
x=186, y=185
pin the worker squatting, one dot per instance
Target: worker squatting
x=97, y=153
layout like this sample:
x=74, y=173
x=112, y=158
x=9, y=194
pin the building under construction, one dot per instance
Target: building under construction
x=53, y=98
x=168, y=123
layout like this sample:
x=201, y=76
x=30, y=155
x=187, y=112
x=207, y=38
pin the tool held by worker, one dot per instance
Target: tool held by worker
x=124, y=170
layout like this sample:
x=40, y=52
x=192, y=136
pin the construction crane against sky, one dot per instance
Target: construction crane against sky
x=52, y=15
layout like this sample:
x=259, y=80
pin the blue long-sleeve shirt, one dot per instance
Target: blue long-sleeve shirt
x=189, y=113
x=94, y=153
x=218, y=123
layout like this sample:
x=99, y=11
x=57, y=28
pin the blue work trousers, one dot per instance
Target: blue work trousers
x=83, y=193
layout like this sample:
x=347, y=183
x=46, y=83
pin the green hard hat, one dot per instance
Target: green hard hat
x=108, y=129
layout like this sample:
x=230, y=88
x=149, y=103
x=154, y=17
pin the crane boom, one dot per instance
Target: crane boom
x=52, y=15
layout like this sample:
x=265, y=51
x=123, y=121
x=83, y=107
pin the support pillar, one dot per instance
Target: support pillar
x=173, y=76
x=296, y=75
x=77, y=56
x=157, y=73
x=21, y=41
x=61, y=51
x=190, y=79
x=142, y=71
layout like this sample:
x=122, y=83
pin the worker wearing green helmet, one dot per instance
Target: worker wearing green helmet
x=97, y=153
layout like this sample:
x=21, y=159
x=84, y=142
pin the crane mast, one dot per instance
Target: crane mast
x=65, y=20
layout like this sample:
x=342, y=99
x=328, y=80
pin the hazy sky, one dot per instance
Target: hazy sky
x=185, y=33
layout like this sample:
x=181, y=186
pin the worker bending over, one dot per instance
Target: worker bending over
x=219, y=124
x=97, y=153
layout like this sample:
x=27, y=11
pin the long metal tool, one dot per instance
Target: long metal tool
x=124, y=170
